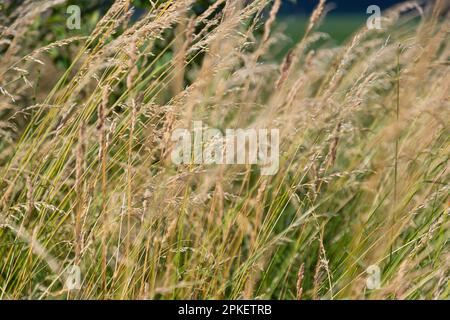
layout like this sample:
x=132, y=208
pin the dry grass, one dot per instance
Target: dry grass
x=86, y=177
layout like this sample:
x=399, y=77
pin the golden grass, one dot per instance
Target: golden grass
x=86, y=177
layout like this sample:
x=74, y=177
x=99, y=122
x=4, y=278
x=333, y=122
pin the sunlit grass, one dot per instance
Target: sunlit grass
x=86, y=177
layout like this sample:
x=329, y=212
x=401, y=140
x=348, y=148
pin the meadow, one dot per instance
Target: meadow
x=92, y=207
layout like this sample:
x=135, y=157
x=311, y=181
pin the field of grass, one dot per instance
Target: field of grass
x=92, y=207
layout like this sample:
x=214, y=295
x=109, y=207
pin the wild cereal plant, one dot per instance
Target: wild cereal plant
x=93, y=207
